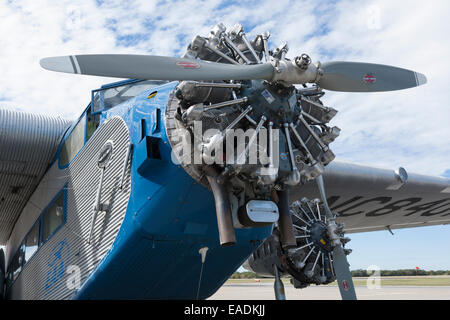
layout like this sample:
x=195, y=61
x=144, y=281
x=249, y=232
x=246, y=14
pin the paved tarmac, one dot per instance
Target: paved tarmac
x=264, y=291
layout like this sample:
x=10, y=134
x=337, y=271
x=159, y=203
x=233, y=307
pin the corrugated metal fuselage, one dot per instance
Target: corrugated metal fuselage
x=147, y=245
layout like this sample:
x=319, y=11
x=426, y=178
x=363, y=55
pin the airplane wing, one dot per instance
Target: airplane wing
x=28, y=144
x=370, y=199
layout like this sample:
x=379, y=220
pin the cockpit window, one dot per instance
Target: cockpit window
x=107, y=98
x=74, y=142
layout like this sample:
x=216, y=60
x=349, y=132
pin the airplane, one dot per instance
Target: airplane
x=170, y=180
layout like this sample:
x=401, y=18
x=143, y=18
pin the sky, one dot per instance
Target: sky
x=409, y=128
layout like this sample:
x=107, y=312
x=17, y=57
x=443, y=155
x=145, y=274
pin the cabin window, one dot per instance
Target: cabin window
x=53, y=218
x=32, y=241
x=50, y=220
x=73, y=143
x=92, y=124
x=16, y=265
x=112, y=95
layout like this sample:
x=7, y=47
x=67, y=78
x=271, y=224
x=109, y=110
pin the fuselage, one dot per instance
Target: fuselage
x=146, y=243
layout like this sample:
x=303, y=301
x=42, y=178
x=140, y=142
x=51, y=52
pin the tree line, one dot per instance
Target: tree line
x=401, y=272
x=363, y=273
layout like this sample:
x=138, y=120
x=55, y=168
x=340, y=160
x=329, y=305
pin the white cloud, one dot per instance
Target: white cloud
x=408, y=128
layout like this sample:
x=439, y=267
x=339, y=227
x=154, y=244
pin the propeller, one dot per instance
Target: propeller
x=335, y=76
x=367, y=77
x=341, y=265
x=155, y=67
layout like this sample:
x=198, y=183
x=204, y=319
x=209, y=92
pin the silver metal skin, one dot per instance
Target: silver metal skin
x=402, y=176
x=28, y=143
x=97, y=205
x=76, y=181
x=125, y=165
x=105, y=155
x=365, y=185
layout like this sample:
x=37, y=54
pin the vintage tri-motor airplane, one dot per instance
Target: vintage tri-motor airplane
x=170, y=181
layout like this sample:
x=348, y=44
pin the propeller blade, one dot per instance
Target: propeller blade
x=343, y=275
x=341, y=265
x=367, y=77
x=148, y=67
x=278, y=285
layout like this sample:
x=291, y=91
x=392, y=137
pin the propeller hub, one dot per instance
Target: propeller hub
x=320, y=237
x=275, y=102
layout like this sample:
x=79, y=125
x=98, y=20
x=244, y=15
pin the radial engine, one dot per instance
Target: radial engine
x=249, y=140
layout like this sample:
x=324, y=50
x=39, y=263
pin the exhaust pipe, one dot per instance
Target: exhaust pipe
x=223, y=207
x=287, y=237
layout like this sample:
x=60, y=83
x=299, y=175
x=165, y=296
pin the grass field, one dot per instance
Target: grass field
x=385, y=281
